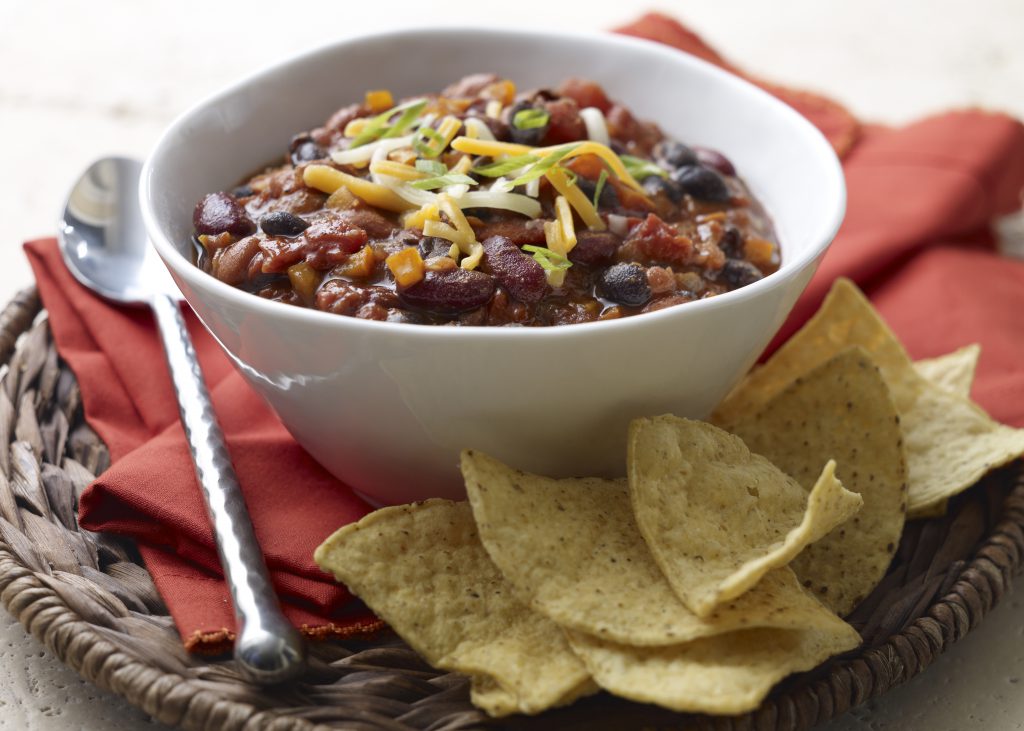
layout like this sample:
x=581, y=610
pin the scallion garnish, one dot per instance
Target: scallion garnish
x=378, y=127
x=570, y=175
x=428, y=142
x=544, y=164
x=640, y=168
x=503, y=167
x=530, y=119
x=550, y=261
x=442, y=181
x=433, y=167
x=599, y=188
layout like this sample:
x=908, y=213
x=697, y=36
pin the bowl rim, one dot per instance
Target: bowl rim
x=196, y=278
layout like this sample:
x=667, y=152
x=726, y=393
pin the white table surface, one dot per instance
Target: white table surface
x=82, y=79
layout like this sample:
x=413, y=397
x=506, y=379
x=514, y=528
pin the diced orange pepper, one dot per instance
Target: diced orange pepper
x=342, y=199
x=379, y=100
x=586, y=166
x=759, y=252
x=406, y=266
x=304, y=279
x=504, y=91
x=359, y=265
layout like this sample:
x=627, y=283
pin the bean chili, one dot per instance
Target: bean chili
x=482, y=205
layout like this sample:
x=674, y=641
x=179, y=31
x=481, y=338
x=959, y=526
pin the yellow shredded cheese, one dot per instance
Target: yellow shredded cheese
x=567, y=229
x=553, y=240
x=353, y=128
x=488, y=147
x=419, y=217
x=448, y=128
x=453, y=252
x=459, y=232
x=396, y=170
x=576, y=198
x=328, y=180
x=477, y=129
x=463, y=166
x=602, y=151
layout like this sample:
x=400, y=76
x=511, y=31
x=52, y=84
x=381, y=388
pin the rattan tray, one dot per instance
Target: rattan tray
x=88, y=598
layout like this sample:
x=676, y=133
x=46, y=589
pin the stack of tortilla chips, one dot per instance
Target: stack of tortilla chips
x=724, y=561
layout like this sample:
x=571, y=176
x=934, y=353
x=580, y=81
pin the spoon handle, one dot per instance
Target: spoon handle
x=267, y=647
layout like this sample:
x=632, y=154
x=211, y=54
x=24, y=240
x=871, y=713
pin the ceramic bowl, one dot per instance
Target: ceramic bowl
x=387, y=407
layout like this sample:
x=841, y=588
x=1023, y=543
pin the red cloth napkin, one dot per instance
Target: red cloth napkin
x=916, y=238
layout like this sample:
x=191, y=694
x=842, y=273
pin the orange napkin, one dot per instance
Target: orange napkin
x=916, y=238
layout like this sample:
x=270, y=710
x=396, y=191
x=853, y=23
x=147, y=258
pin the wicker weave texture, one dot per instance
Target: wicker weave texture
x=92, y=603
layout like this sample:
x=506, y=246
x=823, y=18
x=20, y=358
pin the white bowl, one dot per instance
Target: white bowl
x=386, y=406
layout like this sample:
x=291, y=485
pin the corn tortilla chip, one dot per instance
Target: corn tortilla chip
x=723, y=675
x=572, y=551
x=422, y=569
x=841, y=410
x=949, y=442
x=952, y=371
x=716, y=517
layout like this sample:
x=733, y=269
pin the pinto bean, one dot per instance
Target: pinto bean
x=231, y=263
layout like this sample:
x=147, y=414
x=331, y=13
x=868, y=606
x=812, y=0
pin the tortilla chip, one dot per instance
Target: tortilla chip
x=572, y=551
x=723, y=675
x=495, y=701
x=949, y=442
x=952, y=371
x=717, y=517
x=841, y=410
x=422, y=569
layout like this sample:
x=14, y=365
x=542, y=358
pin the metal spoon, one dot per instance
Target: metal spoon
x=104, y=244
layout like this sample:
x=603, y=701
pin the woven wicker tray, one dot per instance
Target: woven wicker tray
x=89, y=599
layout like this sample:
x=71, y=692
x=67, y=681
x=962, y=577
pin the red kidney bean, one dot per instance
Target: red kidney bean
x=715, y=160
x=449, y=292
x=594, y=247
x=515, y=271
x=374, y=224
x=219, y=212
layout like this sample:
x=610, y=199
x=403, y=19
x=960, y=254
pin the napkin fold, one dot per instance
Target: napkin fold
x=916, y=238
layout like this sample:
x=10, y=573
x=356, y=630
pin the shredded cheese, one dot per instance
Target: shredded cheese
x=328, y=180
x=553, y=240
x=448, y=128
x=597, y=128
x=463, y=166
x=476, y=129
x=419, y=217
x=396, y=170
x=493, y=109
x=602, y=151
x=576, y=198
x=365, y=153
x=567, y=228
x=506, y=201
x=489, y=148
x=459, y=232
x=355, y=126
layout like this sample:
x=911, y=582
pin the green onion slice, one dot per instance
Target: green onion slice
x=503, y=167
x=378, y=127
x=442, y=181
x=550, y=261
x=599, y=188
x=431, y=166
x=544, y=164
x=640, y=168
x=530, y=119
x=428, y=142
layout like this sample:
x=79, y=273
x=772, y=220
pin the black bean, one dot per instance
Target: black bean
x=655, y=184
x=715, y=160
x=739, y=273
x=219, y=212
x=431, y=246
x=283, y=223
x=732, y=243
x=304, y=149
x=526, y=136
x=625, y=284
x=609, y=198
x=702, y=183
x=515, y=271
x=243, y=191
x=672, y=154
x=450, y=291
x=594, y=247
